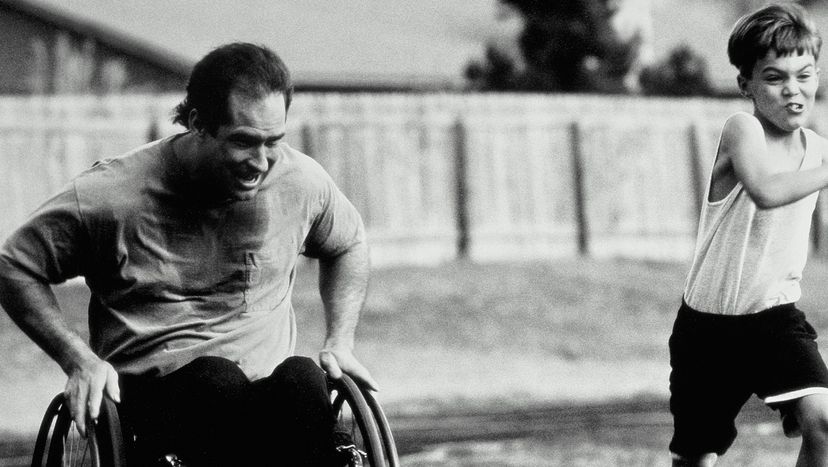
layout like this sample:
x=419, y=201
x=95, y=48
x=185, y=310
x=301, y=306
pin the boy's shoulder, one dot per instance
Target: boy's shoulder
x=742, y=122
x=741, y=129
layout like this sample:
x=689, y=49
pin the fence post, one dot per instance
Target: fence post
x=461, y=189
x=817, y=226
x=576, y=143
x=153, y=131
x=696, y=170
x=307, y=140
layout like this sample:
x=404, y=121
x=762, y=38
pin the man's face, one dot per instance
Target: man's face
x=783, y=88
x=238, y=158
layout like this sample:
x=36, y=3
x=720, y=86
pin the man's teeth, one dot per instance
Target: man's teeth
x=794, y=106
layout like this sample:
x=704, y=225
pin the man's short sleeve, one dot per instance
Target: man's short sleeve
x=337, y=227
x=49, y=245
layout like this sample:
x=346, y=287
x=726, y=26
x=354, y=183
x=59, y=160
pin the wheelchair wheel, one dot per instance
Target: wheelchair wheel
x=384, y=429
x=59, y=443
x=361, y=416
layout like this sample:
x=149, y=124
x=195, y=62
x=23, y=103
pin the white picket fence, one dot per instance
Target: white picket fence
x=508, y=176
x=437, y=176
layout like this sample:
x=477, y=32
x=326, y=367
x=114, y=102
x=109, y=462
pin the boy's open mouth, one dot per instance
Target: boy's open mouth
x=794, y=107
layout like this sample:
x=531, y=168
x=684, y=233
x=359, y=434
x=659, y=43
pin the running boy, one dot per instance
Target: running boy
x=738, y=331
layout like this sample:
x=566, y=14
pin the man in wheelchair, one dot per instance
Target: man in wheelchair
x=189, y=246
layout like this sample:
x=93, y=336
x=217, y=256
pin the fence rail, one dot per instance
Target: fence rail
x=439, y=176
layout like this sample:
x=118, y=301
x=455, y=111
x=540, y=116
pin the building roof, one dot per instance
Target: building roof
x=116, y=39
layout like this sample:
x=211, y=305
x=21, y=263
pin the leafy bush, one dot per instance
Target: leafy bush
x=682, y=73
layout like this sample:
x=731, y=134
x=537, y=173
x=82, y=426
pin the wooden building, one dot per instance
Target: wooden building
x=46, y=52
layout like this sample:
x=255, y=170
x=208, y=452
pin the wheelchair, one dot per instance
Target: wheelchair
x=59, y=444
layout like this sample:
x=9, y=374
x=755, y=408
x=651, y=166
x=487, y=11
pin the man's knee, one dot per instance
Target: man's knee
x=299, y=364
x=295, y=397
x=216, y=376
x=301, y=372
x=296, y=385
x=196, y=411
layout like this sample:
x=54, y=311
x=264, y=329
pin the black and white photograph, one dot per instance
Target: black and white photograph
x=460, y=233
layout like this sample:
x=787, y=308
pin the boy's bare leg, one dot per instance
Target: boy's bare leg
x=812, y=414
x=705, y=460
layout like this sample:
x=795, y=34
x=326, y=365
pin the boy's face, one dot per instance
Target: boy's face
x=783, y=89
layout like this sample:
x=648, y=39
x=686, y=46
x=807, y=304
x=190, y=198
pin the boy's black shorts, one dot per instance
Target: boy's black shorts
x=719, y=361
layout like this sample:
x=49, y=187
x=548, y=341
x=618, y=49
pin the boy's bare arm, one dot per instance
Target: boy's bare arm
x=770, y=180
x=33, y=307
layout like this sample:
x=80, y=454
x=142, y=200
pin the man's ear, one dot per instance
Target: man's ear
x=194, y=122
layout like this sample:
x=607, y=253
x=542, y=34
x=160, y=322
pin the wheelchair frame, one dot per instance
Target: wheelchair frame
x=58, y=442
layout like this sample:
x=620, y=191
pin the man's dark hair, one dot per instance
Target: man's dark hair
x=252, y=70
x=784, y=28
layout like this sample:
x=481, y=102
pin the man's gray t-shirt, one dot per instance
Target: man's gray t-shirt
x=173, y=279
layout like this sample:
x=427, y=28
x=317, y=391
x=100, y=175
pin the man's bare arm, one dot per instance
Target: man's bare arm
x=33, y=307
x=343, y=283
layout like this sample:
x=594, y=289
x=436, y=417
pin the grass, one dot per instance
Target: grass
x=465, y=333
x=464, y=336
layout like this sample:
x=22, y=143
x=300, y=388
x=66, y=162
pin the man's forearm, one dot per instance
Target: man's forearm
x=33, y=307
x=343, y=282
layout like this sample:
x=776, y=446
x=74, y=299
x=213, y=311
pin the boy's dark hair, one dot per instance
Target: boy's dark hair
x=250, y=69
x=783, y=28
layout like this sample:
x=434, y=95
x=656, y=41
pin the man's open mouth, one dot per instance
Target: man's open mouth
x=249, y=180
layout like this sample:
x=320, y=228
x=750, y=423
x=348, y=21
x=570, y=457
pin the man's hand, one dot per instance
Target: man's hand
x=86, y=387
x=336, y=360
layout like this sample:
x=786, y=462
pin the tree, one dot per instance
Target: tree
x=497, y=73
x=566, y=45
x=683, y=73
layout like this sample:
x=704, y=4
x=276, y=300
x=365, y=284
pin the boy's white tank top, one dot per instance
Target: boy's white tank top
x=749, y=259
